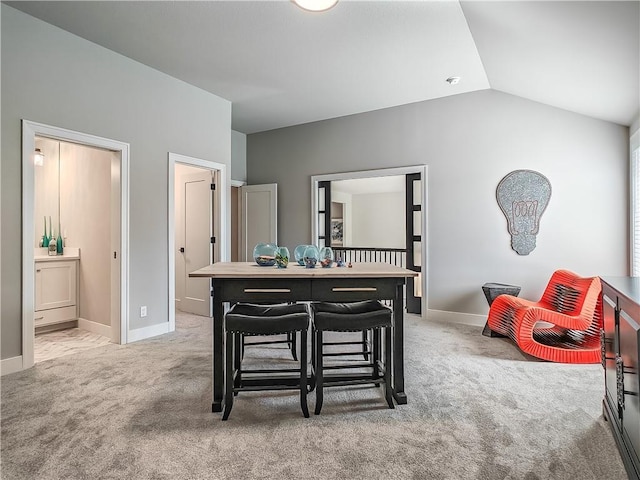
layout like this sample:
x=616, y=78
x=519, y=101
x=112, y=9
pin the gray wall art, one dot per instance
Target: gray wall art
x=523, y=196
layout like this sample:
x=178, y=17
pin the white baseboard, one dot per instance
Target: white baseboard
x=11, y=365
x=147, y=332
x=95, y=327
x=457, y=317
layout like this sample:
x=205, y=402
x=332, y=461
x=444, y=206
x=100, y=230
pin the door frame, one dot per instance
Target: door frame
x=31, y=130
x=272, y=188
x=423, y=170
x=220, y=210
x=237, y=184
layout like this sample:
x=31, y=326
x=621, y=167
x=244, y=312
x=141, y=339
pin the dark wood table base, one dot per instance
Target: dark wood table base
x=246, y=282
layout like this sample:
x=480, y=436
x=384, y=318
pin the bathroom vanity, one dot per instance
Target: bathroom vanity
x=56, y=287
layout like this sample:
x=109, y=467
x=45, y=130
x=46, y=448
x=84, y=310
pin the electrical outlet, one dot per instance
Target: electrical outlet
x=143, y=311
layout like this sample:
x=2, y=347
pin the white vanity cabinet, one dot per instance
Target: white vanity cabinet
x=56, y=290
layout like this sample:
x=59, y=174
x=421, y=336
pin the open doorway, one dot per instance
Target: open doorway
x=80, y=191
x=376, y=216
x=197, y=231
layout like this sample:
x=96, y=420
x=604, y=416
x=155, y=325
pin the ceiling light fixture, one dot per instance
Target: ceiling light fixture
x=316, y=5
x=38, y=158
x=453, y=80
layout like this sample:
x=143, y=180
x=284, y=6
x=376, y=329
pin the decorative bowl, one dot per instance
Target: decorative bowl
x=298, y=253
x=265, y=254
x=282, y=257
x=326, y=257
x=311, y=256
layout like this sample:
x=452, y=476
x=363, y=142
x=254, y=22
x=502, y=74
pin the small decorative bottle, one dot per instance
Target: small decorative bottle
x=53, y=247
x=45, y=238
x=59, y=246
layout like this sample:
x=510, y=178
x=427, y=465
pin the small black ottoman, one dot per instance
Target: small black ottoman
x=491, y=292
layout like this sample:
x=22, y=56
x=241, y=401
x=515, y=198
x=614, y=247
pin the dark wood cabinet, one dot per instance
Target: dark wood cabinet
x=620, y=354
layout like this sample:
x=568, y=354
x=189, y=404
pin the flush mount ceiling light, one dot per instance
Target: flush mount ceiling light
x=316, y=5
x=453, y=80
x=38, y=157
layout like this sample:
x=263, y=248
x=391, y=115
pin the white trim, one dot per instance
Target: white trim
x=29, y=131
x=457, y=317
x=423, y=170
x=634, y=140
x=11, y=365
x=143, y=333
x=634, y=196
x=94, y=327
x=222, y=211
x=238, y=183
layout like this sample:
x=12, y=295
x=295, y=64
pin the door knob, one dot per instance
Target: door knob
x=181, y=249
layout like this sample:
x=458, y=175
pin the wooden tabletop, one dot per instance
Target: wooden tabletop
x=293, y=270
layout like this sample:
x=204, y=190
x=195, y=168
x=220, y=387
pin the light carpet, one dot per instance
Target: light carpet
x=478, y=409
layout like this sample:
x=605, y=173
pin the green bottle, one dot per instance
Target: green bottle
x=59, y=246
x=45, y=238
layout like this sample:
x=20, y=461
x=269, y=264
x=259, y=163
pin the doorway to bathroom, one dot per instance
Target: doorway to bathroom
x=75, y=196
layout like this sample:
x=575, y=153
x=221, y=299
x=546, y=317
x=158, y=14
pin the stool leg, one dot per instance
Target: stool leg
x=312, y=385
x=318, y=372
x=228, y=375
x=376, y=353
x=365, y=344
x=387, y=367
x=291, y=337
x=238, y=350
x=303, y=373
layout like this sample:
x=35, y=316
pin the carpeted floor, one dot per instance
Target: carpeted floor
x=478, y=409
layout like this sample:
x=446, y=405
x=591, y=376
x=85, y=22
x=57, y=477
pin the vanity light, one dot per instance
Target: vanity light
x=316, y=5
x=38, y=158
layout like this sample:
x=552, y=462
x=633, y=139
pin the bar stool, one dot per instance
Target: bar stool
x=244, y=319
x=351, y=317
x=290, y=341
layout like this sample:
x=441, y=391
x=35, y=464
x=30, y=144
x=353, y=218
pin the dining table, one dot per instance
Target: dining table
x=249, y=282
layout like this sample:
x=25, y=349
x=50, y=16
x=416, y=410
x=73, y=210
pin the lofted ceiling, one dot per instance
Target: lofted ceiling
x=282, y=66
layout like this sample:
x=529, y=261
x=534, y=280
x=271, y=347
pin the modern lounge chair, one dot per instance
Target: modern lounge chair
x=563, y=326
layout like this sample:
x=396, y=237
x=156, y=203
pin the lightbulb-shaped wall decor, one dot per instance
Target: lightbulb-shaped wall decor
x=523, y=196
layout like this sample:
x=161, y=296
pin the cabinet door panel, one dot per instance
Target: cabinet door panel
x=609, y=320
x=629, y=354
x=55, y=284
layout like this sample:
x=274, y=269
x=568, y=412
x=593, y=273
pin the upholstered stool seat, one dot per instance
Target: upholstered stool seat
x=351, y=317
x=244, y=319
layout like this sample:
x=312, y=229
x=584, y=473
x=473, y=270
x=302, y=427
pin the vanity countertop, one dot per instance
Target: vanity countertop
x=70, y=253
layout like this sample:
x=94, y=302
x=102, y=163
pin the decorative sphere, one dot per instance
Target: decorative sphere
x=265, y=254
x=282, y=257
x=298, y=253
x=326, y=257
x=311, y=256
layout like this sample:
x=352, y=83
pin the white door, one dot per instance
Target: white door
x=196, y=247
x=115, y=253
x=258, y=217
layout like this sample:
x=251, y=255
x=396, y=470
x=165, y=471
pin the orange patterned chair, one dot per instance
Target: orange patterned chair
x=564, y=326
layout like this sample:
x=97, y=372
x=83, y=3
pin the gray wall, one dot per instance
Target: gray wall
x=470, y=142
x=238, y=156
x=53, y=77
